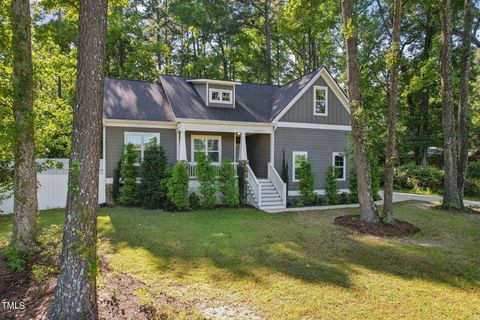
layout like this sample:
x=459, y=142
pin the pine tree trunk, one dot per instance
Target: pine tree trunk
x=450, y=192
x=75, y=296
x=368, y=209
x=391, y=155
x=25, y=180
x=463, y=120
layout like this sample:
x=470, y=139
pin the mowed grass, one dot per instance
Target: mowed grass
x=298, y=265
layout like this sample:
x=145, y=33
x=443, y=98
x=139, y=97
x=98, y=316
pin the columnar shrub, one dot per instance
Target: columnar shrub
x=153, y=172
x=128, y=190
x=116, y=182
x=284, y=174
x=352, y=185
x=178, y=186
x=242, y=181
x=306, y=183
x=205, y=175
x=332, y=191
x=228, y=184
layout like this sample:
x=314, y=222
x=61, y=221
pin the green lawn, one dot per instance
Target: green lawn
x=298, y=265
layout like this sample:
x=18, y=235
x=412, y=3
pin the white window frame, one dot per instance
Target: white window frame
x=220, y=91
x=334, y=154
x=192, y=149
x=294, y=154
x=142, y=148
x=315, y=88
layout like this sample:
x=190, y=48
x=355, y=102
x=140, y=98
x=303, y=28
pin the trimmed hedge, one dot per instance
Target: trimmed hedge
x=473, y=170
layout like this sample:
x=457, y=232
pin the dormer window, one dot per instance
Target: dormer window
x=320, y=101
x=220, y=96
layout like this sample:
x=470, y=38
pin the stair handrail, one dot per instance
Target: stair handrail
x=278, y=183
x=254, y=185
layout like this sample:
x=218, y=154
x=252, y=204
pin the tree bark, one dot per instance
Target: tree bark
x=463, y=120
x=25, y=180
x=391, y=155
x=75, y=295
x=450, y=192
x=368, y=209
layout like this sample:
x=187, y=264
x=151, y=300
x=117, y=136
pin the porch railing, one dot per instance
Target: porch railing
x=192, y=168
x=255, y=188
x=277, y=183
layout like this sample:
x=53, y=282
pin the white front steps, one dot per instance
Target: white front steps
x=270, y=198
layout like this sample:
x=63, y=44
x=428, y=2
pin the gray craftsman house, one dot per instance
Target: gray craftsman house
x=307, y=119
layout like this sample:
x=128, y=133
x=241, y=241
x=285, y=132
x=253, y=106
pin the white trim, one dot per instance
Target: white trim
x=139, y=123
x=226, y=127
x=334, y=154
x=325, y=89
x=104, y=156
x=213, y=81
x=193, y=137
x=303, y=125
x=330, y=82
x=234, y=147
x=221, y=92
x=108, y=181
x=272, y=147
x=321, y=192
x=142, y=150
x=225, y=122
x=206, y=93
x=295, y=153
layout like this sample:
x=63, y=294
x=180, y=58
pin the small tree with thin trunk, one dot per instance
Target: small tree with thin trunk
x=368, y=209
x=25, y=177
x=76, y=291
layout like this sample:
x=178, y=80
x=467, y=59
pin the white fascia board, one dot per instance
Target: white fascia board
x=139, y=123
x=225, y=126
x=212, y=81
x=302, y=125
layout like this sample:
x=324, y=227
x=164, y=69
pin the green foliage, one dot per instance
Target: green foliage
x=352, y=185
x=411, y=176
x=128, y=189
x=242, y=181
x=228, y=184
x=332, y=191
x=473, y=170
x=472, y=187
x=284, y=174
x=153, y=172
x=206, y=177
x=178, y=186
x=16, y=260
x=194, y=200
x=375, y=171
x=306, y=184
x=116, y=182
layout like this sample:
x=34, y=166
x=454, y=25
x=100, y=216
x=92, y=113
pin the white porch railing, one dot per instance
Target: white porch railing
x=254, y=186
x=278, y=183
x=192, y=168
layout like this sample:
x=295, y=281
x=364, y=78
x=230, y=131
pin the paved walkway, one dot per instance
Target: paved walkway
x=397, y=197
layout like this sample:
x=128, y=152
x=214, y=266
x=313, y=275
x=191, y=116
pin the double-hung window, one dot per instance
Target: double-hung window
x=320, y=101
x=220, y=96
x=140, y=142
x=208, y=145
x=297, y=158
x=340, y=164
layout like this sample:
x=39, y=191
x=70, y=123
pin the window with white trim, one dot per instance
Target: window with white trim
x=140, y=142
x=297, y=158
x=211, y=146
x=339, y=163
x=219, y=96
x=320, y=101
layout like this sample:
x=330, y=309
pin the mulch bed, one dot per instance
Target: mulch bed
x=401, y=228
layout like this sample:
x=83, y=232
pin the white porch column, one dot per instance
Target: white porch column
x=243, y=147
x=182, y=156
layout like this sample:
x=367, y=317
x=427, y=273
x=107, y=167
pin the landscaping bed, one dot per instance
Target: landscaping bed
x=400, y=228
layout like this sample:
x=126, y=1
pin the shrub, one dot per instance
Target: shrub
x=375, y=172
x=178, y=186
x=306, y=183
x=472, y=187
x=153, y=172
x=228, y=184
x=473, y=170
x=206, y=177
x=16, y=260
x=116, y=182
x=352, y=185
x=128, y=190
x=242, y=185
x=285, y=170
x=411, y=176
x=194, y=200
x=332, y=191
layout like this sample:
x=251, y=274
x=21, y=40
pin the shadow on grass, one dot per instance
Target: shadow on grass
x=241, y=242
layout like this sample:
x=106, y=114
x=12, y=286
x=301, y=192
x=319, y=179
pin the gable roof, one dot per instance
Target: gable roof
x=175, y=97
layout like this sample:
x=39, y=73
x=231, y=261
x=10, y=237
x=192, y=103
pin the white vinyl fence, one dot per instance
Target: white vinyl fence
x=52, y=188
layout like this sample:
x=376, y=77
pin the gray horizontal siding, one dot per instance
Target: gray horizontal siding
x=320, y=144
x=302, y=110
x=258, y=153
x=227, y=143
x=114, y=137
